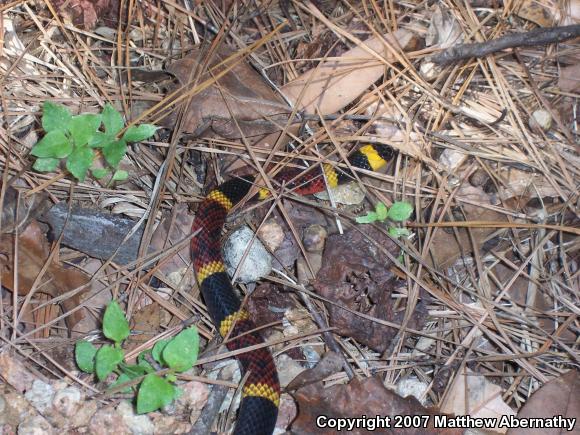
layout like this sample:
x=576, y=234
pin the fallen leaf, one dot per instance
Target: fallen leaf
x=335, y=84
x=444, y=30
x=447, y=245
x=569, y=78
x=86, y=13
x=330, y=363
x=367, y=397
x=559, y=397
x=569, y=12
x=474, y=395
x=33, y=253
x=540, y=12
x=239, y=103
x=18, y=210
x=355, y=274
x=174, y=226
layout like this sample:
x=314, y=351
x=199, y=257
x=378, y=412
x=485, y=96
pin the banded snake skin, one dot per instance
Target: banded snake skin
x=261, y=392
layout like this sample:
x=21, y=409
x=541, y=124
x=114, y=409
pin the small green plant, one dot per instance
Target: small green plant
x=154, y=392
x=75, y=138
x=399, y=212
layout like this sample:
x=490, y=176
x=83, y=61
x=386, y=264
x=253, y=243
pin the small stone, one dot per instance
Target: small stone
x=412, y=386
x=193, y=398
x=541, y=120
x=107, y=421
x=478, y=178
x=348, y=194
x=67, y=401
x=257, y=261
x=288, y=369
x=429, y=70
x=286, y=415
x=40, y=395
x=272, y=234
x=36, y=425
x=451, y=159
x=139, y=424
x=314, y=238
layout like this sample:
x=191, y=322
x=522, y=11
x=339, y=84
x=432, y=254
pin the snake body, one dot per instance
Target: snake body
x=261, y=391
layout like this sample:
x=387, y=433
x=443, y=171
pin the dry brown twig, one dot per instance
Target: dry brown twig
x=533, y=38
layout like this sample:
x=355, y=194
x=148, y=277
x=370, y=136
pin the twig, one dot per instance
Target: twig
x=528, y=39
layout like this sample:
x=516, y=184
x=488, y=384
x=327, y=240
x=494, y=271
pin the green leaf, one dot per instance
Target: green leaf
x=133, y=370
x=107, y=360
x=157, y=350
x=398, y=232
x=154, y=393
x=171, y=377
x=121, y=380
x=370, y=217
x=400, y=211
x=100, y=139
x=114, y=152
x=55, y=117
x=54, y=144
x=99, y=172
x=79, y=162
x=120, y=175
x=112, y=119
x=381, y=211
x=142, y=361
x=83, y=127
x=181, y=352
x=139, y=133
x=85, y=356
x=47, y=164
x=115, y=326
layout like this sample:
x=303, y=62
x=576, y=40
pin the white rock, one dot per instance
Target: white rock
x=257, y=263
x=139, y=424
x=451, y=159
x=36, y=425
x=540, y=119
x=412, y=386
x=40, y=395
x=349, y=194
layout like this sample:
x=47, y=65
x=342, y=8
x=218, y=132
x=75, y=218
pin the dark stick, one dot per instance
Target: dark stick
x=534, y=38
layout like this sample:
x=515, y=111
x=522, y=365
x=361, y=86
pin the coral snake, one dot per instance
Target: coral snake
x=261, y=391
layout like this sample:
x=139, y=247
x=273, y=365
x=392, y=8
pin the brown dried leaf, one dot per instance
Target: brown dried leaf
x=444, y=29
x=355, y=274
x=18, y=210
x=328, y=365
x=446, y=247
x=239, y=98
x=360, y=397
x=569, y=80
x=86, y=13
x=537, y=12
x=174, y=226
x=337, y=83
x=523, y=184
x=559, y=397
x=33, y=253
x=474, y=395
x=146, y=322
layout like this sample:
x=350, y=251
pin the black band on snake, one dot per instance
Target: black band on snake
x=261, y=392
